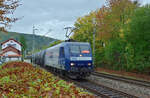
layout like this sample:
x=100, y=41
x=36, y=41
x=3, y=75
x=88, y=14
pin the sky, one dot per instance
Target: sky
x=50, y=17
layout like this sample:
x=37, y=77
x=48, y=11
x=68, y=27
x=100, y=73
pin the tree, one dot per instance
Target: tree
x=112, y=20
x=84, y=28
x=113, y=17
x=24, y=45
x=7, y=8
x=138, y=39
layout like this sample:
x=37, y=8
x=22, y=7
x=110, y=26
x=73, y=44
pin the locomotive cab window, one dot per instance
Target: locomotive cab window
x=74, y=49
x=79, y=49
x=84, y=49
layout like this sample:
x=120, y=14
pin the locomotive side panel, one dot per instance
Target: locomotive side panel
x=52, y=57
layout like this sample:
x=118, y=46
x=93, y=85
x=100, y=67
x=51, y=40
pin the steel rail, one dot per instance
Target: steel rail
x=101, y=90
x=140, y=83
x=95, y=88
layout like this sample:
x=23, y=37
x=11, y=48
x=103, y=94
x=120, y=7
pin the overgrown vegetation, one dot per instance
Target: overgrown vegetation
x=22, y=80
x=122, y=35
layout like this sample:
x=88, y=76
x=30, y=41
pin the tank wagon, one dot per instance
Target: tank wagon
x=73, y=59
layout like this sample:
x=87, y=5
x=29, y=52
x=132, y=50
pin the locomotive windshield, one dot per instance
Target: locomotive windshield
x=79, y=49
x=74, y=49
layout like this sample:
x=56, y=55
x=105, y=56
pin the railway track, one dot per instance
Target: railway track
x=102, y=91
x=97, y=89
x=123, y=79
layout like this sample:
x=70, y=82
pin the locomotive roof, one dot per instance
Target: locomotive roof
x=63, y=43
x=75, y=42
x=69, y=43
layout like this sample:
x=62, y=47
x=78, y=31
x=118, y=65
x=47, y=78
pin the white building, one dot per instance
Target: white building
x=11, y=50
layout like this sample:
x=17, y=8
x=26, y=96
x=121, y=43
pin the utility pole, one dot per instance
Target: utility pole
x=33, y=41
x=94, y=33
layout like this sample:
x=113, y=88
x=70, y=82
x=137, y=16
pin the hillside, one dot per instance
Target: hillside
x=40, y=41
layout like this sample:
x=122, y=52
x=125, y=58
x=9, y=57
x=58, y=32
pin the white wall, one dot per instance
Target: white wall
x=13, y=59
x=10, y=53
x=52, y=56
x=11, y=42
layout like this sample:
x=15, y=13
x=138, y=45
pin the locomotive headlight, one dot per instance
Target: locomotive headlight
x=72, y=64
x=89, y=64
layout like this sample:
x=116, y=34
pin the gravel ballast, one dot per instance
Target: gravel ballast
x=141, y=92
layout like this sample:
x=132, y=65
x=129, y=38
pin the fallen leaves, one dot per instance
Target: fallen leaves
x=20, y=79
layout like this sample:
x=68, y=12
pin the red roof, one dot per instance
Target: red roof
x=10, y=48
x=9, y=40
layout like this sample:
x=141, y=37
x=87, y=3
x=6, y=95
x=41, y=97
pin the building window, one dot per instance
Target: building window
x=8, y=45
x=14, y=45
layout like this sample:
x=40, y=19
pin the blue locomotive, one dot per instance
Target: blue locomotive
x=73, y=59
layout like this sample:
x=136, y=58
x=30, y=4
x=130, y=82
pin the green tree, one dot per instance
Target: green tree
x=138, y=39
x=84, y=28
x=24, y=45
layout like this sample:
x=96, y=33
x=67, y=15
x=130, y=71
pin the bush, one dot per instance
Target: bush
x=21, y=80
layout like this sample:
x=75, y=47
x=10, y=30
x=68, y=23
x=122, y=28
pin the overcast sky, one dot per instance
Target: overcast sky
x=53, y=15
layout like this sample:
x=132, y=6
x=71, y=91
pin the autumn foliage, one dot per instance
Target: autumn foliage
x=7, y=8
x=16, y=64
x=122, y=35
x=20, y=79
